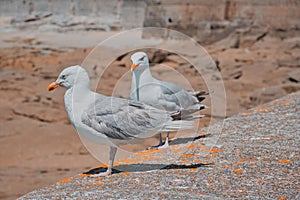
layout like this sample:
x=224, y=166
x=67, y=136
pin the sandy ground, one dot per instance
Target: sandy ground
x=38, y=144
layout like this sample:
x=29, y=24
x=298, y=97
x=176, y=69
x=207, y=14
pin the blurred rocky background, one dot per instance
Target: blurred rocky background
x=255, y=44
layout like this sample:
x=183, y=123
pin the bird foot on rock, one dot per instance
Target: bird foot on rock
x=160, y=146
x=166, y=145
x=102, y=174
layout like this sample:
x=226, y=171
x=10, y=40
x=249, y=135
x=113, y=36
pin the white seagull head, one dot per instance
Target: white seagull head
x=69, y=77
x=140, y=61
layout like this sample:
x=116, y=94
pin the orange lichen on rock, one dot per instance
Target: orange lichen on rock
x=188, y=155
x=102, y=166
x=124, y=173
x=99, y=179
x=238, y=171
x=154, y=157
x=178, y=150
x=201, y=146
x=96, y=184
x=190, y=146
x=83, y=175
x=264, y=109
x=216, y=150
x=210, y=181
x=150, y=151
x=246, y=113
x=285, y=161
x=65, y=180
x=281, y=197
x=286, y=102
x=151, y=158
x=129, y=160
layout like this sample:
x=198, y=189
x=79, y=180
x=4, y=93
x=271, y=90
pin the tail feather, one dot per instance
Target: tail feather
x=193, y=117
x=199, y=95
x=187, y=114
x=178, y=125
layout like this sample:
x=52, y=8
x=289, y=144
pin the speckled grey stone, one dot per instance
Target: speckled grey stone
x=256, y=157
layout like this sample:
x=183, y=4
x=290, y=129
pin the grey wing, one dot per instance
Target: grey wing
x=173, y=97
x=118, y=119
x=170, y=88
x=105, y=127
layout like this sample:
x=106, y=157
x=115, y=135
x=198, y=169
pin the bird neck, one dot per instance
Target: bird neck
x=139, y=79
x=77, y=99
x=82, y=86
x=145, y=75
x=82, y=81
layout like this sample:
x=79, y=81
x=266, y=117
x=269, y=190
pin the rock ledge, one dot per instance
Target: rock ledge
x=256, y=156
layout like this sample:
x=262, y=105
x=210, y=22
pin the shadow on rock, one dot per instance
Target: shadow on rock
x=145, y=167
x=150, y=167
x=187, y=139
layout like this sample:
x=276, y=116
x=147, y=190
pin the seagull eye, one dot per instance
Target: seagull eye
x=142, y=58
x=63, y=76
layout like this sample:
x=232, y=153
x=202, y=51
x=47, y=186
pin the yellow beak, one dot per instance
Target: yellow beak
x=52, y=86
x=133, y=66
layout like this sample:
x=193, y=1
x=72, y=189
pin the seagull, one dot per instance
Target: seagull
x=110, y=120
x=160, y=94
